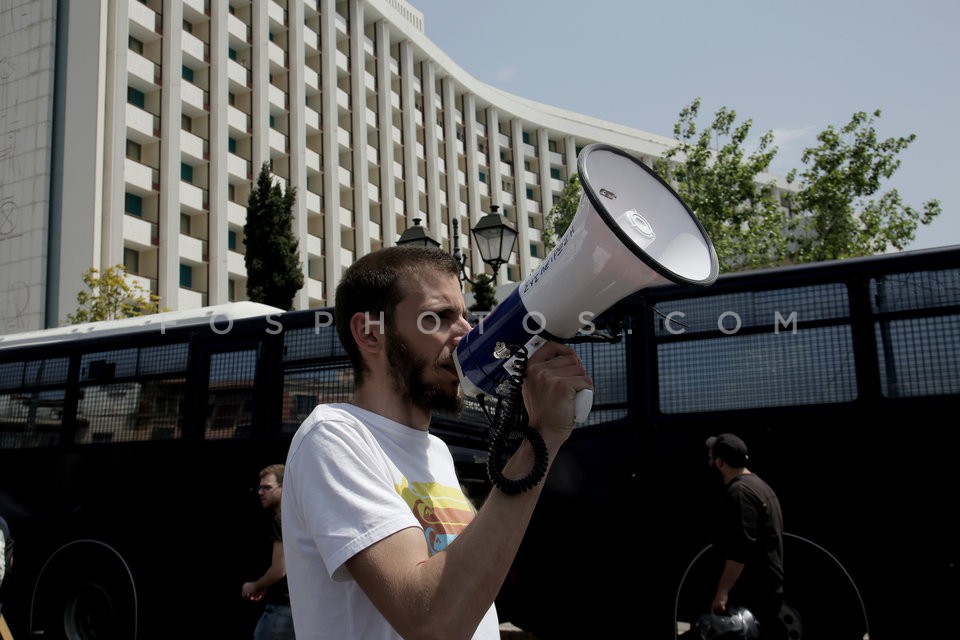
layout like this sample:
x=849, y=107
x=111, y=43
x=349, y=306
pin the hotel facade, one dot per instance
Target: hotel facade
x=132, y=131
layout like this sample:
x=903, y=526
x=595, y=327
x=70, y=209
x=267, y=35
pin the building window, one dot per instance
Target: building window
x=131, y=260
x=231, y=52
x=232, y=240
x=232, y=192
x=133, y=150
x=483, y=177
x=187, y=26
x=186, y=172
x=555, y=173
x=133, y=204
x=231, y=98
x=186, y=122
x=135, y=45
x=232, y=145
x=136, y=97
x=526, y=137
x=231, y=290
x=184, y=224
x=273, y=121
x=186, y=276
x=186, y=73
x=533, y=249
x=529, y=193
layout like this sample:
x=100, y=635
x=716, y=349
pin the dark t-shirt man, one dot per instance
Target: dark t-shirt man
x=750, y=532
x=277, y=593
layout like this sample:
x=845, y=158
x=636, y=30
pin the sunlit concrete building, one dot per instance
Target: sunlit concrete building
x=131, y=131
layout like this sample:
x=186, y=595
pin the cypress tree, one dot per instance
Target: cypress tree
x=484, y=296
x=274, y=270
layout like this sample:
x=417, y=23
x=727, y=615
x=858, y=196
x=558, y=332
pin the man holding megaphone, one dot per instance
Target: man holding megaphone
x=379, y=539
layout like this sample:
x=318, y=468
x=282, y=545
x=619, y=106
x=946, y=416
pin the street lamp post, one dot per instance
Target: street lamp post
x=458, y=253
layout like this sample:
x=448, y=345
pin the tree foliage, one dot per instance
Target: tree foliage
x=274, y=270
x=836, y=210
x=484, y=295
x=110, y=296
x=837, y=188
x=562, y=212
x=722, y=184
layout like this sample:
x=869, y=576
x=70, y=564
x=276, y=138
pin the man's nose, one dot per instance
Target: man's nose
x=461, y=329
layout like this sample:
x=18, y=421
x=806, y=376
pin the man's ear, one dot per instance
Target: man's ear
x=367, y=332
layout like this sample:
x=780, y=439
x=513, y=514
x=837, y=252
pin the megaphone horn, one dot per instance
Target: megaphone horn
x=631, y=231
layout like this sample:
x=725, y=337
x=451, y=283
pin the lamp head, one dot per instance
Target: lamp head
x=417, y=236
x=495, y=237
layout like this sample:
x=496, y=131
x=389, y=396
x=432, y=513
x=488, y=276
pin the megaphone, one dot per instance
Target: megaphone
x=631, y=231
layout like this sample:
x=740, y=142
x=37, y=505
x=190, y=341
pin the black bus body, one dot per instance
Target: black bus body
x=128, y=458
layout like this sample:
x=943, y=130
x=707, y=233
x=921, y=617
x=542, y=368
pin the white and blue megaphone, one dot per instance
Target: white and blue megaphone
x=631, y=231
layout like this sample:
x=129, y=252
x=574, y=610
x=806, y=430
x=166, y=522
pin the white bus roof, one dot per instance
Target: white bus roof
x=166, y=320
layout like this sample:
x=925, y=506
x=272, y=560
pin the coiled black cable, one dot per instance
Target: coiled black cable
x=510, y=426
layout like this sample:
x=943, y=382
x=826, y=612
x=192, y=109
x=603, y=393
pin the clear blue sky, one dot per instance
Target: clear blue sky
x=792, y=67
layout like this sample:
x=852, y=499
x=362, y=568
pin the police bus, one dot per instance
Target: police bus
x=129, y=449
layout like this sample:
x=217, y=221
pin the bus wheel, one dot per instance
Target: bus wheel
x=84, y=592
x=823, y=600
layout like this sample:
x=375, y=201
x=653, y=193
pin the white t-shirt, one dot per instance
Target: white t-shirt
x=352, y=478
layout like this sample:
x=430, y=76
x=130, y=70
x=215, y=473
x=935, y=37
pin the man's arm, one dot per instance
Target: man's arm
x=446, y=595
x=274, y=573
x=731, y=573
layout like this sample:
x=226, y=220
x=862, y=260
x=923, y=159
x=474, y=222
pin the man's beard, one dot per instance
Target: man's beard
x=408, y=371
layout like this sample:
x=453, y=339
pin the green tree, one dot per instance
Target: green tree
x=110, y=296
x=722, y=185
x=837, y=189
x=484, y=295
x=562, y=212
x=274, y=272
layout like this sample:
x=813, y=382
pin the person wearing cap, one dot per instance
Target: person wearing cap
x=749, y=539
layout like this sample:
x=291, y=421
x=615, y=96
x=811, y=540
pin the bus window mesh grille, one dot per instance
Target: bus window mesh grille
x=230, y=395
x=813, y=366
x=751, y=350
x=306, y=387
x=919, y=356
x=131, y=395
x=607, y=365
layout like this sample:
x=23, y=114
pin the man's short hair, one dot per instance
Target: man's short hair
x=729, y=448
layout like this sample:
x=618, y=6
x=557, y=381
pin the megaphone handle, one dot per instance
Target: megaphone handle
x=582, y=404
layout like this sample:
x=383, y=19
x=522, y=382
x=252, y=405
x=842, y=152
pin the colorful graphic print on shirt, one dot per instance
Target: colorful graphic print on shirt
x=442, y=511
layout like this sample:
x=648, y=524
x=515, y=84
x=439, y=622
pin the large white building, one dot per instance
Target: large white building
x=131, y=131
